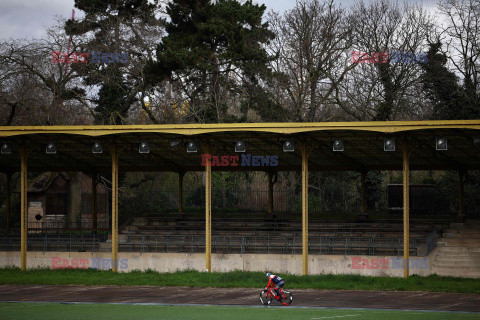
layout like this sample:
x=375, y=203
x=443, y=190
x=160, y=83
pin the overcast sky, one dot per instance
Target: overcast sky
x=28, y=18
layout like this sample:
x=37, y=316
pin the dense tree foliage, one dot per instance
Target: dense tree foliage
x=114, y=27
x=214, y=51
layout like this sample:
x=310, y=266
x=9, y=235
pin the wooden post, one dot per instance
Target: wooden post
x=270, y=193
x=208, y=212
x=8, y=206
x=94, y=203
x=406, y=210
x=305, y=207
x=180, y=191
x=115, y=155
x=23, y=206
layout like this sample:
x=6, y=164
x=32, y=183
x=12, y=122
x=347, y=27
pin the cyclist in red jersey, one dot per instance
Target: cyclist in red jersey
x=279, y=282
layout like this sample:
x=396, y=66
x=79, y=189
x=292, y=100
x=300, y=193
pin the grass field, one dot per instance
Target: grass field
x=52, y=311
x=236, y=279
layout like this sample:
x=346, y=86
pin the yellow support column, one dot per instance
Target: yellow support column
x=305, y=207
x=270, y=193
x=180, y=191
x=208, y=212
x=94, y=203
x=23, y=206
x=115, y=155
x=8, y=207
x=406, y=210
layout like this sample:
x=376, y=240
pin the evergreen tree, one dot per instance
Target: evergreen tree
x=450, y=99
x=215, y=52
x=111, y=26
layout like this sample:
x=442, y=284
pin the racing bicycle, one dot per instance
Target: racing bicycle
x=268, y=294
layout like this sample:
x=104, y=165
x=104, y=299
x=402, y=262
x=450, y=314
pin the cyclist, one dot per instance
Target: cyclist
x=279, y=282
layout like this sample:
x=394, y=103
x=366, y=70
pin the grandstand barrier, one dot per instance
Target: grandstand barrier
x=281, y=263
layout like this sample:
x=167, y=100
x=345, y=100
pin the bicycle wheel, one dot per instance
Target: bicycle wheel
x=288, y=298
x=265, y=298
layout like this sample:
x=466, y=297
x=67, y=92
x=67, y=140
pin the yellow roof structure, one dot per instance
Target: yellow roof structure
x=364, y=143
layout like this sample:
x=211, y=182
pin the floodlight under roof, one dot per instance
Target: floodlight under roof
x=144, y=147
x=289, y=146
x=240, y=146
x=192, y=147
x=338, y=145
x=97, y=148
x=6, y=148
x=441, y=144
x=51, y=148
x=389, y=145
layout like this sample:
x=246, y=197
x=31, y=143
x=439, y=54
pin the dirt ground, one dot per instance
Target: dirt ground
x=222, y=296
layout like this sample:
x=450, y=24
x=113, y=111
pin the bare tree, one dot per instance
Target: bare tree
x=311, y=41
x=461, y=34
x=34, y=90
x=386, y=91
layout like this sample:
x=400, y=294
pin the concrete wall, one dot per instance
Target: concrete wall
x=170, y=262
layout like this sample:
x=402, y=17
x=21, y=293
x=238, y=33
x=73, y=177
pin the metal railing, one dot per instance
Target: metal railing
x=266, y=244
x=54, y=242
x=195, y=243
x=46, y=226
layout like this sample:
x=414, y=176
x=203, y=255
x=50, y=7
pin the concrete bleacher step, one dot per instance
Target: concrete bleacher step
x=462, y=274
x=457, y=263
x=457, y=256
x=453, y=249
x=458, y=269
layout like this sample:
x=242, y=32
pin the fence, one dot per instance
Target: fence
x=46, y=226
x=291, y=244
x=54, y=242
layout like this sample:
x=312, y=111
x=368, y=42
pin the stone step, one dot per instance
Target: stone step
x=449, y=249
x=459, y=263
x=463, y=230
x=458, y=269
x=456, y=256
x=454, y=242
x=462, y=235
x=449, y=273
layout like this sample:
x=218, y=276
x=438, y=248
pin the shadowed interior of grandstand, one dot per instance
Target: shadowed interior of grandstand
x=150, y=221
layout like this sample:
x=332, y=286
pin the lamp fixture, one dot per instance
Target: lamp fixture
x=51, y=148
x=389, y=145
x=338, y=145
x=240, y=146
x=97, y=148
x=289, y=146
x=144, y=147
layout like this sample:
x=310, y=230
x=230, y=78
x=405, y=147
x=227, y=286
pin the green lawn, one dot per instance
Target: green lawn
x=52, y=311
x=236, y=279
